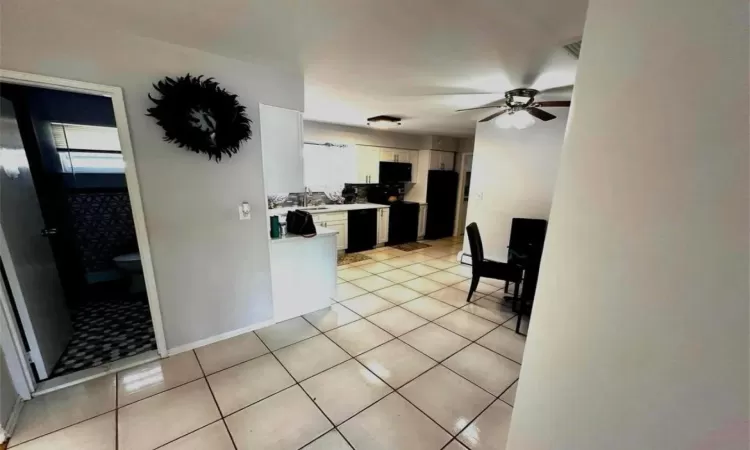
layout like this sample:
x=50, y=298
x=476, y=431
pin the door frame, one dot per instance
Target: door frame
x=131, y=176
x=460, y=196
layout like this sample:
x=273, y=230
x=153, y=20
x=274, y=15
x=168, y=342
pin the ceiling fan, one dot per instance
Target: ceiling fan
x=522, y=99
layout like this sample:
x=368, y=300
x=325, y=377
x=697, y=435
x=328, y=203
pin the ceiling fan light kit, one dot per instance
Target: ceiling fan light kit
x=515, y=119
x=521, y=108
x=383, y=122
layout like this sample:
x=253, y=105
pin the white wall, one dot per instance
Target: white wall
x=639, y=338
x=8, y=394
x=466, y=145
x=212, y=271
x=513, y=175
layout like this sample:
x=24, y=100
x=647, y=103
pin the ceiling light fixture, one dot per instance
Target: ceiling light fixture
x=383, y=122
x=517, y=119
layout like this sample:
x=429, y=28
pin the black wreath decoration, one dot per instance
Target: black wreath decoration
x=199, y=115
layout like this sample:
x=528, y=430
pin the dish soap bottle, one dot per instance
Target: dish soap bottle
x=275, y=227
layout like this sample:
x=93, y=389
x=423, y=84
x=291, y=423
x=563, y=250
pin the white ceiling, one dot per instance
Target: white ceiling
x=368, y=57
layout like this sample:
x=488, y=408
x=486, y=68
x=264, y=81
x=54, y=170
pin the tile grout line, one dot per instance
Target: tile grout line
x=434, y=321
x=117, y=412
x=438, y=363
x=396, y=390
x=188, y=434
x=452, y=354
x=480, y=297
x=296, y=383
x=59, y=429
x=451, y=331
x=218, y=408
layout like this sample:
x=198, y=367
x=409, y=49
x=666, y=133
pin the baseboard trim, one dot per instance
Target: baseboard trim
x=460, y=258
x=8, y=428
x=82, y=376
x=219, y=337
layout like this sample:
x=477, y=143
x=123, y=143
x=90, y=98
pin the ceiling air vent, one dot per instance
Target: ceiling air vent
x=574, y=48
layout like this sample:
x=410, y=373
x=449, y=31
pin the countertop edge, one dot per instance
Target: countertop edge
x=328, y=208
x=321, y=233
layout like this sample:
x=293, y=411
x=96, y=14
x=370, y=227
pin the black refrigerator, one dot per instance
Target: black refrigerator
x=442, y=188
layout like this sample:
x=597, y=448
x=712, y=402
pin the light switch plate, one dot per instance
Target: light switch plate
x=244, y=209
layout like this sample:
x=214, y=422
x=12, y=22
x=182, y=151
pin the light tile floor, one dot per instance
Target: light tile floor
x=401, y=361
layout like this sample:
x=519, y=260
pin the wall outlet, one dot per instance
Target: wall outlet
x=244, y=210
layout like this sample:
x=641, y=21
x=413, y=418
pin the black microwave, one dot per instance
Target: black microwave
x=393, y=172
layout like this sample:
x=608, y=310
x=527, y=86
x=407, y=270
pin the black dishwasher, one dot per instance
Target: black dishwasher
x=363, y=230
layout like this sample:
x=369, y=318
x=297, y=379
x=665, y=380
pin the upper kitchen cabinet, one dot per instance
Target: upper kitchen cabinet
x=441, y=160
x=281, y=140
x=395, y=155
x=368, y=165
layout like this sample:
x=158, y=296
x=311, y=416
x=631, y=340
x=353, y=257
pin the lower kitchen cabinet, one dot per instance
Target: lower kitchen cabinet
x=341, y=238
x=335, y=221
x=384, y=215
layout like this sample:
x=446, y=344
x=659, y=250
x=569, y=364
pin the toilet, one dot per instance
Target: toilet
x=130, y=265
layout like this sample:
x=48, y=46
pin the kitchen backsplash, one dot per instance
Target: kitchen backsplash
x=316, y=198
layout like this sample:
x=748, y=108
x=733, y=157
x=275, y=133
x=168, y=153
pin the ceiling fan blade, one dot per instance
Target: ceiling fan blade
x=553, y=103
x=558, y=90
x=490, y=117
x=479, y=107
x=539, y=114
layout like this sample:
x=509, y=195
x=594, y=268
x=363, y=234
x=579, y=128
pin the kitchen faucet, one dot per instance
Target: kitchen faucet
x=306, y=197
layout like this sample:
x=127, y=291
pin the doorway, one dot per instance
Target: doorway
x=72, y=234
x=464, y=182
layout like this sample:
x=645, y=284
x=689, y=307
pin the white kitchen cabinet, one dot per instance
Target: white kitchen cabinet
x=422, y=221
x=335, y=221
x=395, y=155
x=368, y=165
x=384, y=215
x=342, y=237
x=441, y=160
x=281, y=140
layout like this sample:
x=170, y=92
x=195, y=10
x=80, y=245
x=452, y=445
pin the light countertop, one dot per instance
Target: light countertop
x=328, y=208
x=322, y=232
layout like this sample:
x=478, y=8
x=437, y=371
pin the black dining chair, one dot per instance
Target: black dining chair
x=486, y=268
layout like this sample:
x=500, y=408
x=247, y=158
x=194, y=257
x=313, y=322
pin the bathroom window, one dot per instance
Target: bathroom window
x=87, y=148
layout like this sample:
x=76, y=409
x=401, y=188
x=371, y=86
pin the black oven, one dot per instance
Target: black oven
x=393, y=172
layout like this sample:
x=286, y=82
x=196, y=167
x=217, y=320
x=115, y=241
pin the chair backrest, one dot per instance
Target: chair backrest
x=475, y=244
x=527, y=237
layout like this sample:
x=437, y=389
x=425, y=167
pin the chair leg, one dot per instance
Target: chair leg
x=520, y=318
x=515, y=296
x=506, y=286
x=474, y=284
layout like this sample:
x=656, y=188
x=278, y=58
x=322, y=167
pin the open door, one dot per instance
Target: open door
x=26, y=253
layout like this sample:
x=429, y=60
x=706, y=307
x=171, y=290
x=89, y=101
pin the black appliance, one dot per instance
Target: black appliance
x=442, y=188
x=362, y=228
x=403, y=222
x=395, y=172
x=385, y=194
x=403, y=219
